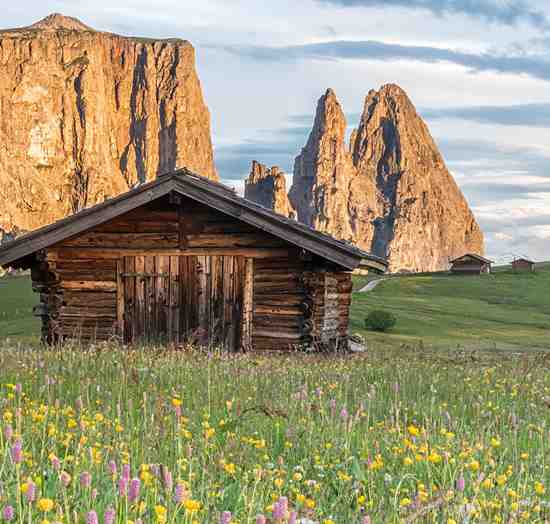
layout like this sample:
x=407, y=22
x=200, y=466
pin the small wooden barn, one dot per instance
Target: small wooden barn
x=471, y=264
x=523, y=264
x=183, y=258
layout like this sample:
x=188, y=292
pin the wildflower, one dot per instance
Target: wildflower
x=8, y=513
x=179, y=493
x=413, y=430
x=366, y=520
x=85, y=479
x=280, y=508
x=133, y=492
x=160, y=513
x=45, y=505
x=91, y=518
x=167, y=479
x=344, y=414
x=260, y=519
x=191, y=506
x=501, y=480
x=8, y=432
x=293, y=517
x=112, y=468
x=126, y=472
x=460, y=484
x=230, y=468
x=225, y=517
x=405, y=502
x=17, y=452
x=122, y=486
x=29, y=490
x=539, y=488
x=65, y=478
x=278, y=482
x=110, y=516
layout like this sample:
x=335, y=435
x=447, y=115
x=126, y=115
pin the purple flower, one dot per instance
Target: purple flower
x=8, y=513
x=292, y=518
x=8, y=432
x=280, y=508
x=94, y=494
x=180, y=492
x=18, y=388
x=167, y=478
x=17, y=452
x=110, y=515
x=65, y=478
x=56, y=463
x=344, y=413
x=30, y=494
x=85, y=479
x=91, y=518
x=112, y=467
x=260, y=519
x=332, y=405
x=126, y=471
x=460, y=484
x=133, y=492
x=225, y=517
x=122, y=486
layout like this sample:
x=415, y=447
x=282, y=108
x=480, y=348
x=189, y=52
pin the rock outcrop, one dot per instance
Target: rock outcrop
x=267, y=187
x=389, y=192
x=87, y=115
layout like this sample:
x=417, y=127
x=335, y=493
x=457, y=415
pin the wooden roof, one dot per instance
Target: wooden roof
x=475, y=256
x=523, y=259
x=205, y=191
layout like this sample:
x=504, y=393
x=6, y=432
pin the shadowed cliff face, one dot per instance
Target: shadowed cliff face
x=86, y=115
x=389, y=192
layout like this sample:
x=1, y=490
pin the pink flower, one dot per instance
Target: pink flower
x=56, y=463
x=292, y=517
x=65, y=478
x=460, y=483
x=133, y=492
x=85, y=479
x=91, y=518
x=260, y=519
x=112, y=467
x=126, y=471
x=180, y=493
x=167, y=478
x=225, y=517
x=122, y=486
x=366, y=519
x=8, y=513
x=280, y=508
x=30, y=494
x=110, y=515
x=17, y=452
x=8, y=432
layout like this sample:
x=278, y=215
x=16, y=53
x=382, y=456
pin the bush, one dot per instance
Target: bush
x=380, y=320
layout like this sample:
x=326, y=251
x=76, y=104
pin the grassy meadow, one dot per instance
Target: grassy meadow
x=444, y=420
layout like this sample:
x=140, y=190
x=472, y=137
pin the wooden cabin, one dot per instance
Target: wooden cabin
x=523, y=264
x=184, y=259
x=471, y=264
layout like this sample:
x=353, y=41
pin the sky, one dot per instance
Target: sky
x=478, y=72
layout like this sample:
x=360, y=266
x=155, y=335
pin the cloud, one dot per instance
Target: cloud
x=509, y=13
x=533, y=65
x=532, y=115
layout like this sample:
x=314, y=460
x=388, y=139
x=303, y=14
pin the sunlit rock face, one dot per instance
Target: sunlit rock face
x=87, y=115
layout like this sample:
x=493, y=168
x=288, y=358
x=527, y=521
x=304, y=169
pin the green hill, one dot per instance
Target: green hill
x=504, y=310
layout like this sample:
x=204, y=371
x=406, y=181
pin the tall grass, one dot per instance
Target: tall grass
x=390, y=437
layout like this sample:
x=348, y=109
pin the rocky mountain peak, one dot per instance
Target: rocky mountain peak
x=267, y=187
x=389, y=191
x=56, y=21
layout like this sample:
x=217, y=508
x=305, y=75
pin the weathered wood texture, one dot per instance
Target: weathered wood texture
x=180, y=271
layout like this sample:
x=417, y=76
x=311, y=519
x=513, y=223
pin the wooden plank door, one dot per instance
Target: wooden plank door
x=204, y=300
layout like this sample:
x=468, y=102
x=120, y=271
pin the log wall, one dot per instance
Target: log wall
x=287, y=301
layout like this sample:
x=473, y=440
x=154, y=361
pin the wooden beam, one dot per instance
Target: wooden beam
x=115, y=253
x=120, y=297
x=248, y=304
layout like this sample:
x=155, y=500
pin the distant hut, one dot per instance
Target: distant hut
x=523, y=264
x=183, y=259
x=471, y=264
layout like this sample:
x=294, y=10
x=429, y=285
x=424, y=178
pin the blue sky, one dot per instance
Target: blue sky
x=478, y=71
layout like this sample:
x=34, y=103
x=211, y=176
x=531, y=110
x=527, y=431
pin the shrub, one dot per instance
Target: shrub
x=380, y=320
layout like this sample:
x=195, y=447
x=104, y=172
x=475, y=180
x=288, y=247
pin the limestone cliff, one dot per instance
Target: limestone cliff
x=267, y=187
x=390, y=191
x=87, y=115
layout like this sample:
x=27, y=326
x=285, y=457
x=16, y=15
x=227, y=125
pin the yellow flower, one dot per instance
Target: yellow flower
x=176, y=402
x=487, y=483
x=501, y=480
x=310, y=503
x=474, y=465
x=191, y=506
x=230, y=468
x=405, y=502
x=413, y=430
x=495, y=442
x=451, y=521
x=514, y=506
x=407, y=461
x=45, y=505
x=160, y=512
x=278, y=482
x=524, y=456
x=539, y=488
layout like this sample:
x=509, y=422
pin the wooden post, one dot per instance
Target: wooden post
x=248, y=298
x=120, y=297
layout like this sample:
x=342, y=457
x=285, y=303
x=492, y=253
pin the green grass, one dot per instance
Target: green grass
x=16, y=303
x=503, y=310
x=399, y=435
